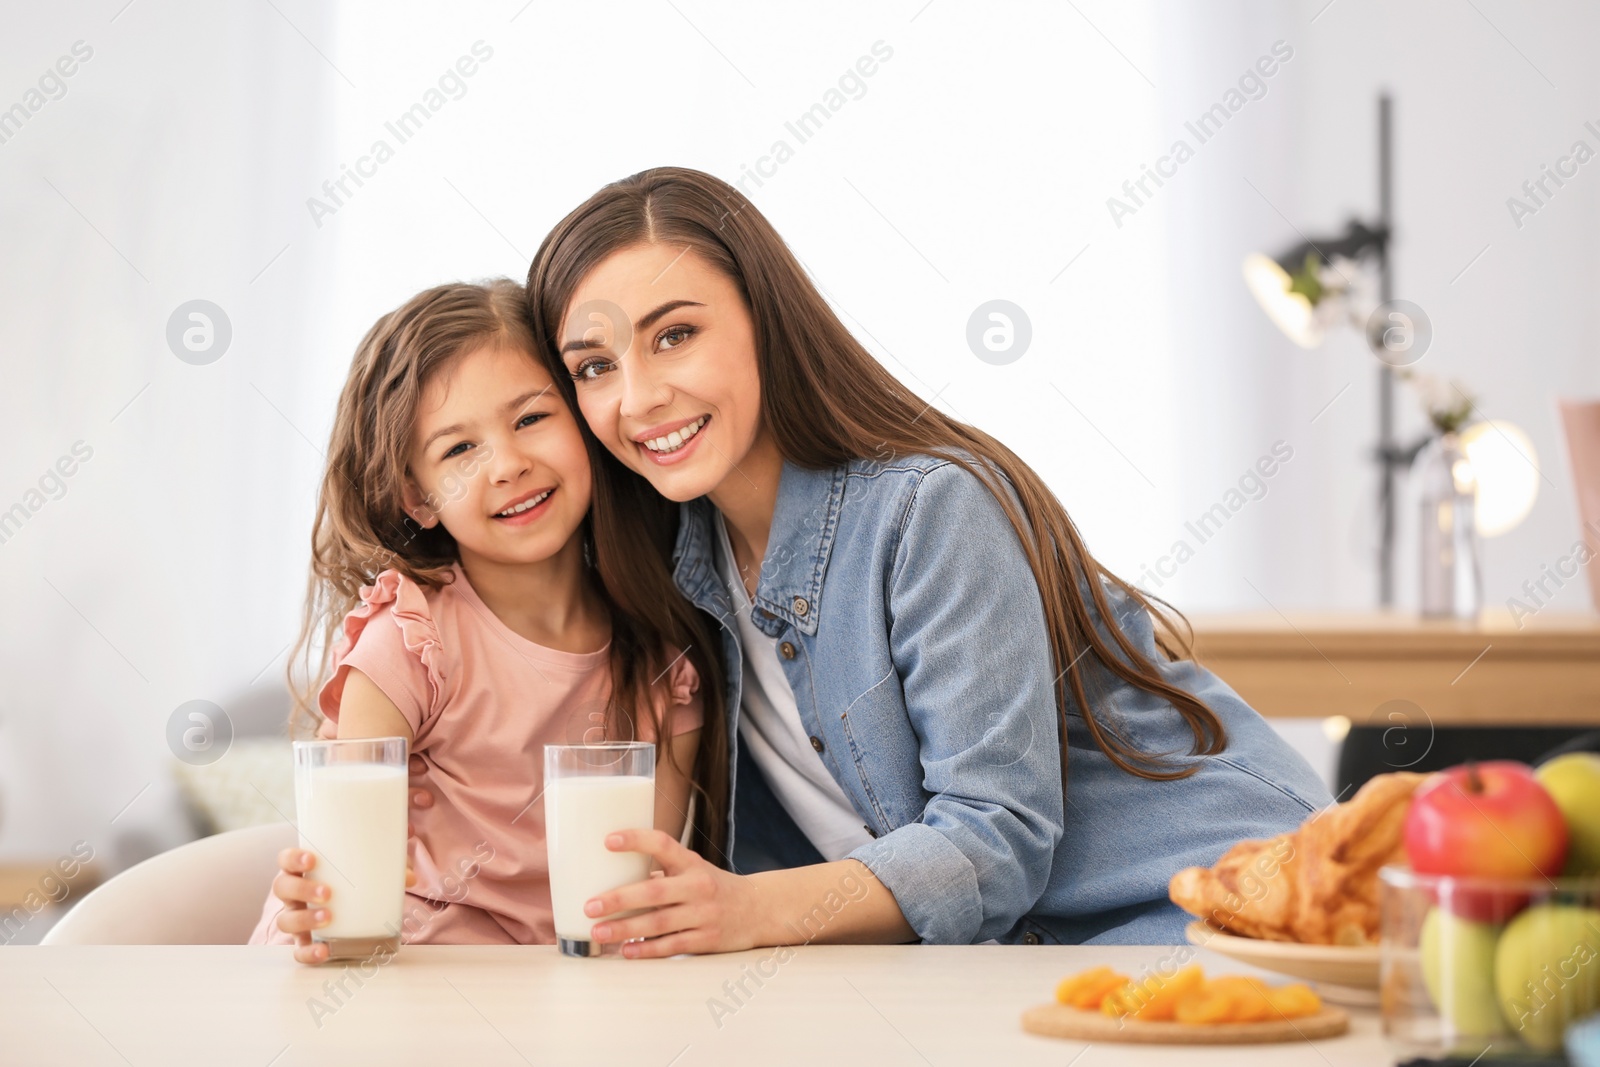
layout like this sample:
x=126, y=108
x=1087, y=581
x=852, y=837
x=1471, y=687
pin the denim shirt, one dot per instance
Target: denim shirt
x=912, y=633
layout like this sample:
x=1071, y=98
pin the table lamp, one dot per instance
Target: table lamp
x=1478, y=479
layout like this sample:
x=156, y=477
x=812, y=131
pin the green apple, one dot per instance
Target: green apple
x=1547, y=971
x=1573, y=781
x=1458, y=969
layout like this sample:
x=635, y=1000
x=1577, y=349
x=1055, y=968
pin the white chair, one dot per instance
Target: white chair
x=208, y=892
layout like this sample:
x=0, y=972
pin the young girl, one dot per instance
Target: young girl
x=937, y=695
x=451, y=560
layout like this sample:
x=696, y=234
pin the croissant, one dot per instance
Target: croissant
x=1317, y=885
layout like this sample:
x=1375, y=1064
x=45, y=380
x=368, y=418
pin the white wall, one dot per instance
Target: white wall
x=975, y=166
x=168, y=569
x=1473, y=120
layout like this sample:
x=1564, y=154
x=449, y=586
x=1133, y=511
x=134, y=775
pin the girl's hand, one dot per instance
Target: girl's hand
x=306, y=904
x=698, y=907
x=297, y=918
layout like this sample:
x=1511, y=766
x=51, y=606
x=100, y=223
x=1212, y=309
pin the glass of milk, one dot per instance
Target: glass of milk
x=591, y=791
x=350, y=797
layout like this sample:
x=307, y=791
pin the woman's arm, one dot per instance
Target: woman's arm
x=971, y=647
x=973, y=656
x=829, y=902
x=702, y=908
x=833, y=903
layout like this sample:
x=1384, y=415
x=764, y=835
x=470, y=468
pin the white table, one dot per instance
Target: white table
x=444, y=1005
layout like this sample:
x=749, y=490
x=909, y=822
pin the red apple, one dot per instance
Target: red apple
x=1485, y=820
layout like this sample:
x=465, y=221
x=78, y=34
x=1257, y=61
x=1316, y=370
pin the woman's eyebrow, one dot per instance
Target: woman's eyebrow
x=649, y=317
x=645, y=320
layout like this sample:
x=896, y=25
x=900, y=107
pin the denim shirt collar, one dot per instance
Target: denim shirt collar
x=803, y=526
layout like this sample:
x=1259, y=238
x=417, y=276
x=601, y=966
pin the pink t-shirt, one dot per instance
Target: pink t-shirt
x=483, y=702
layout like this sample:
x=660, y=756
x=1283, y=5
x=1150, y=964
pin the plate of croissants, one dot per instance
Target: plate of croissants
x=1305, y=903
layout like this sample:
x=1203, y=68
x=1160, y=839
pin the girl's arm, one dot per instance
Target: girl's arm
x=363, y=712
x=672, y=785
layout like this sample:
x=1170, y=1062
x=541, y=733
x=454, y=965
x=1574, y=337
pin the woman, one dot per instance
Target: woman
x=945, y=720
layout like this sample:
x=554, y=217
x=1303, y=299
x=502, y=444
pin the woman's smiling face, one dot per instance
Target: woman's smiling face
x=662, y=349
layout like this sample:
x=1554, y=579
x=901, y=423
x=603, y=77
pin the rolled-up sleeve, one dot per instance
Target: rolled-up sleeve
x=968, y=639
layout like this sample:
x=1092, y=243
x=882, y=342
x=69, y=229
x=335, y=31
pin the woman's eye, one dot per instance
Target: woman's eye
x=456, y=449
x=675, y=336
x=530, y=418
x=590, y=369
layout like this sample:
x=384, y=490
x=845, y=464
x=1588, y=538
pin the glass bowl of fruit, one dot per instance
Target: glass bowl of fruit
x=1491, y=934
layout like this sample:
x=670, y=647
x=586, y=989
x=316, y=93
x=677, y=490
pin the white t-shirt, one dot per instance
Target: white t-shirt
x=769, y=725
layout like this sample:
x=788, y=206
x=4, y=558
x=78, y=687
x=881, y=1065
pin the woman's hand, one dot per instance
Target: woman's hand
x=306, y=903
x=694, y=906
x=698, y=907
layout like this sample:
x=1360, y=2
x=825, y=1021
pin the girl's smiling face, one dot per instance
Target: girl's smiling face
x=497, y=458
x=662, y=350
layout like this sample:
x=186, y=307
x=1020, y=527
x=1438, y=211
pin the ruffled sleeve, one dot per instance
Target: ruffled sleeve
x=392, y=639
x=685, y=709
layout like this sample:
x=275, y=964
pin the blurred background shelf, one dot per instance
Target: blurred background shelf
x=1494, y=672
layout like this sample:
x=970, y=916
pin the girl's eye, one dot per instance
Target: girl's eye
x=456, y=450
x=531, y=418
x=590, y=369
x=674, y=336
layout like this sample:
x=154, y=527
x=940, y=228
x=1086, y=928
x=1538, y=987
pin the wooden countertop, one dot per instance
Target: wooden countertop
x=1542, y=669
x=880, y=1005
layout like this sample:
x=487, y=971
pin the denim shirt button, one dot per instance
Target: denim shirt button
x=801, y=606
x=1030, y=938
x=787, y=648
x=816, y=743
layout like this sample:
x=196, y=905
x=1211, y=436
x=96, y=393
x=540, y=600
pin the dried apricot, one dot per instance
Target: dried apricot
x=1153, y=997
x=1292, y=1001
x=1204, y=1005
x=1094, y=996
x=1253, y=1003
x=1070, y=985
x=1232, y=999
x=1088, y=989
x=1186, y=996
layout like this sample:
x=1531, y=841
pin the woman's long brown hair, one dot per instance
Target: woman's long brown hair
x=362, y=529
x=827, y=401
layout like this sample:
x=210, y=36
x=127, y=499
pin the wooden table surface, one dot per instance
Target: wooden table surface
x=1542, y=669
x=484, y=1006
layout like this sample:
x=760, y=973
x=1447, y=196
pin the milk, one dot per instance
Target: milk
x=579, y=812
x=353, y=816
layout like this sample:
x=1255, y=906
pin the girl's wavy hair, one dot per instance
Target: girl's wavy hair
x=361, y=526
x=827, y=401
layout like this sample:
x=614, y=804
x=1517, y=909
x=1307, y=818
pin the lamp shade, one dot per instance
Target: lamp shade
x=1292, y=312
x=1507, y=470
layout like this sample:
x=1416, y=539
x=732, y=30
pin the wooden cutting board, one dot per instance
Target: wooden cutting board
x=1058, y=1020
